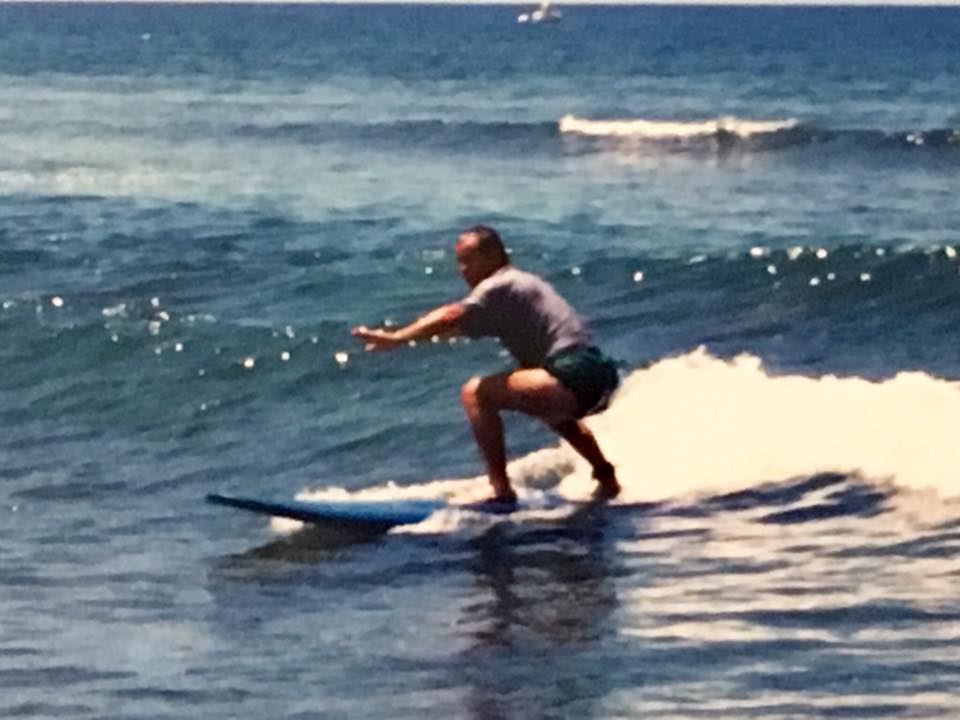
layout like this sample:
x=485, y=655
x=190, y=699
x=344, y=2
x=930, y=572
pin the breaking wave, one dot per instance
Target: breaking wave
x=722, y=134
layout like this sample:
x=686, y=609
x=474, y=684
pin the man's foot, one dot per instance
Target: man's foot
x=502, y=492
x=606, y=476
x=507, y=498
x=497, y=505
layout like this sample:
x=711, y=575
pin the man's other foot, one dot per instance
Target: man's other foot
x=502, y=493
x=606, y=477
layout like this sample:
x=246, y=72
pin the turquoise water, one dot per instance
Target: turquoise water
x=756, y=208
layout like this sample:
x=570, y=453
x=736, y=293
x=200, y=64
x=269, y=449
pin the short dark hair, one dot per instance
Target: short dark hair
x=488, y=242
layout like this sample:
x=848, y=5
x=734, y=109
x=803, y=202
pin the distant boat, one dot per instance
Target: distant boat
x=545, y=12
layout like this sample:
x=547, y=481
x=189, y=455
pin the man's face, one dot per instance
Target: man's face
x=471, y=263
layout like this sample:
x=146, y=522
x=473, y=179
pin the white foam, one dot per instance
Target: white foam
x=696, y=423
x=646, y=129
x=535, y=478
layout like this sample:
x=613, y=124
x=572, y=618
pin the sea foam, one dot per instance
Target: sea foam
x=697, y=423
x=648, y=129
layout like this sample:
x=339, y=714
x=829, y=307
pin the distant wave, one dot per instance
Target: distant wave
x=438, y=133
x=669, y=129
x=584, y=135
x=734, y=133
x=157, y=171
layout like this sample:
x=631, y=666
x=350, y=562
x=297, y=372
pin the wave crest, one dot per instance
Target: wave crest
x=697, y=423
x=644, y=129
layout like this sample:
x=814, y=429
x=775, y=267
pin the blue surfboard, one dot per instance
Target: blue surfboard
x=373, y=515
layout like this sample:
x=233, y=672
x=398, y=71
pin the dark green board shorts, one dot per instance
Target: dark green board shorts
x=588, y=373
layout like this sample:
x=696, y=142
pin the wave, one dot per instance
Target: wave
x=698, y=434
x=527, y=136
x=673, y=130
x=852, y=308
x=578, y=135
x=436, y=131
x=724, y=134
x=697, y=423
x=163, y=166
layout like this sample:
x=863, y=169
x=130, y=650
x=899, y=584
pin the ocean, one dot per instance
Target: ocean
x=756, y=208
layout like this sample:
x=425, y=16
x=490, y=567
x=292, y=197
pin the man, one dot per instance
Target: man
x=561, y=377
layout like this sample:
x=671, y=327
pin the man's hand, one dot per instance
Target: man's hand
x=441, y=321
x=375, y=338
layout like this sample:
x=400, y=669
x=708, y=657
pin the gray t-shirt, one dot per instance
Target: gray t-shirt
x=525, y=313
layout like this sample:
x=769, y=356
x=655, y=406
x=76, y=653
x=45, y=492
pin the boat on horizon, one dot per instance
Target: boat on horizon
x=544, y=13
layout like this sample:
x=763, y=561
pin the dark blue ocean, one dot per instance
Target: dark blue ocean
x=758, y=210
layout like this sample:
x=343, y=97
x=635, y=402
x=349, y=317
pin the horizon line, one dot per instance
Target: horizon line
x=524, y=3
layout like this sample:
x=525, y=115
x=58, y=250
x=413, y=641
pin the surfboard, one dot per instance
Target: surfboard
x=373, y=515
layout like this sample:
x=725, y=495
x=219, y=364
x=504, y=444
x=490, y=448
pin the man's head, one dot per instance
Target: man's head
x=480, y=253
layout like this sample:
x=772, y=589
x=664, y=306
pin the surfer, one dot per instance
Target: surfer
x=561, y=376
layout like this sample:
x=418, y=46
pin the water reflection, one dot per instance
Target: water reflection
x=547, y=601
x=310, y=545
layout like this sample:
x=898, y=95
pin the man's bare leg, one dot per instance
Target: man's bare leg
x=534, y=392
x=582, y=440
x=488, y=432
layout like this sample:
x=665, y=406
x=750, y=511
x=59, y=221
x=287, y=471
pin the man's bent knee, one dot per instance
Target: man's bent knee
x=470, y=393
x=480, y=393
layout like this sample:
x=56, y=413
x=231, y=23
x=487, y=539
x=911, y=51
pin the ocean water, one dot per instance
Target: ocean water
x=758, y=210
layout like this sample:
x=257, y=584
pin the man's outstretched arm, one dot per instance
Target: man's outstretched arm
x=443, y=321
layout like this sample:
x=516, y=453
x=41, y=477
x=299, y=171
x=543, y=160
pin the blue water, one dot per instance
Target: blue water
x=756, y=208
